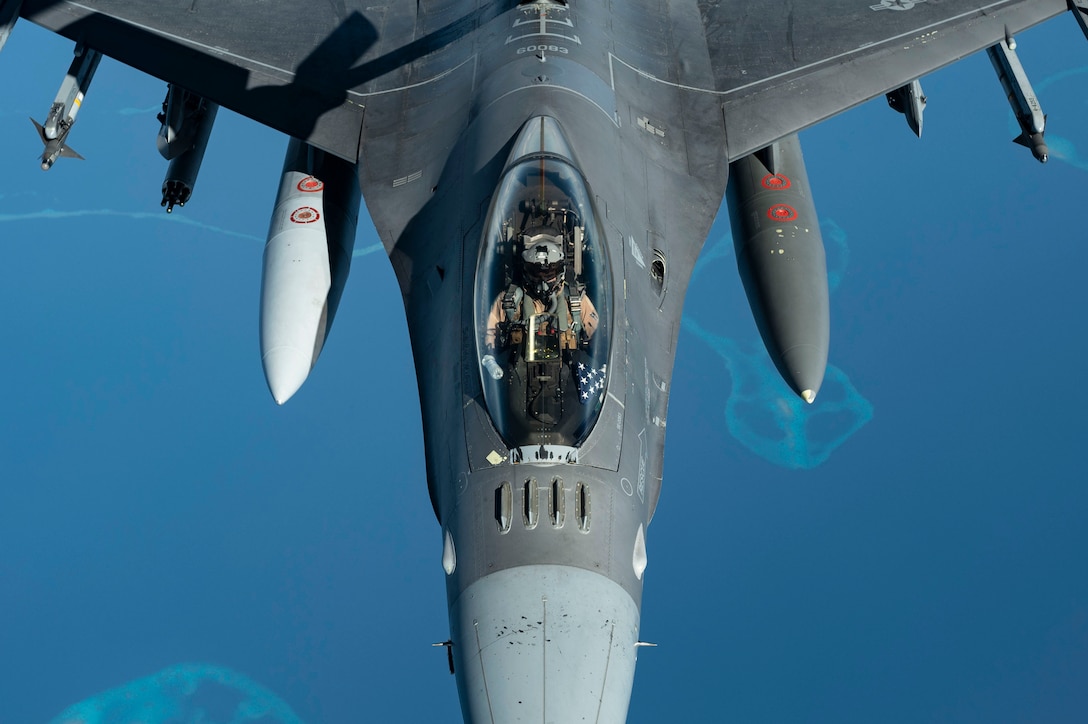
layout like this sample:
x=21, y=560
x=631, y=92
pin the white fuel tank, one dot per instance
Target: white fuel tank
x=306, y=260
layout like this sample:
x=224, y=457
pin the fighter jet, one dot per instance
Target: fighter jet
x=542, y=176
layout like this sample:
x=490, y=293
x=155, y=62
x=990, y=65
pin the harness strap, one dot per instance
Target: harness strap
x=511, y=302
x=574, y=301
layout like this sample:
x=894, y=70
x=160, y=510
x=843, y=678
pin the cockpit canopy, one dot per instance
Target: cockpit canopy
x=543, y=301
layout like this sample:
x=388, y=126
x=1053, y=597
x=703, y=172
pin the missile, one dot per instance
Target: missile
x=310, y=240
x=911, y=102
x=1025, y=105
x=187, y=121
x=62, y=114
x=9, y=14
x=780, y=256
x=54, y=147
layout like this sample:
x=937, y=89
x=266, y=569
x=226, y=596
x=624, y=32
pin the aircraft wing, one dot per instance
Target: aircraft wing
x=308, y=69
x=780, y=66
x=302, y=68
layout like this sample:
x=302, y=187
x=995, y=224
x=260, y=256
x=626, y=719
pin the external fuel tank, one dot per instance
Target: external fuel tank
x=780, y=255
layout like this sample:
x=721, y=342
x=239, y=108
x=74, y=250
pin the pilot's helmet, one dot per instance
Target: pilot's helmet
x=542, y=262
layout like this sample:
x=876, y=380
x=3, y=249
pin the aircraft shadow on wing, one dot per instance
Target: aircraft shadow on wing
x=312, y=103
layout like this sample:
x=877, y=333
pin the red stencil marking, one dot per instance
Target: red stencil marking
x=782, y=212
x=310, y=184
x=776, y=182
x=305, y=215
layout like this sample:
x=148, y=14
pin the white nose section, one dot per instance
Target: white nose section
x=295, y=285
x=285, y=369
x=545, y=643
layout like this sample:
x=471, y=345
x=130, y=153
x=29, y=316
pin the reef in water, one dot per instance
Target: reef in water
x=183, y=694
x=760, y=410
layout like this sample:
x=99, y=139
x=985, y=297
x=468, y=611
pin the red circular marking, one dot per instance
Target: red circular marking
x=782, y=212
x=305, y=215
x=310, y=184
x=776, y=182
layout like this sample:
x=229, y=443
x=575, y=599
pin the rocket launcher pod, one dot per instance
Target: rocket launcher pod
x=306, y=261
x=780, y=255
x=187, y=121
x=181, y=119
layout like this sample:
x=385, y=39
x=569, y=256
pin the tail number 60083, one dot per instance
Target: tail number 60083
x=542, y=48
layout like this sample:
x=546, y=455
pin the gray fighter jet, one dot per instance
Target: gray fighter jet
x=542, y=175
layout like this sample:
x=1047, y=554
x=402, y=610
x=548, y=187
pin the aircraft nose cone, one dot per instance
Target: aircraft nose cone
x=545, y=643
x=285, y=369
x=803, y=367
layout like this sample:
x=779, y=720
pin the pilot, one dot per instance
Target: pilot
x=544, y=291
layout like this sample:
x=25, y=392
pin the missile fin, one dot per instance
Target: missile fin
x=1036, y=142
x=41, y=131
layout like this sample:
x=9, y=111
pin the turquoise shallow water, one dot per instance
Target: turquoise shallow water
x=760, y=411
x=183, y=694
